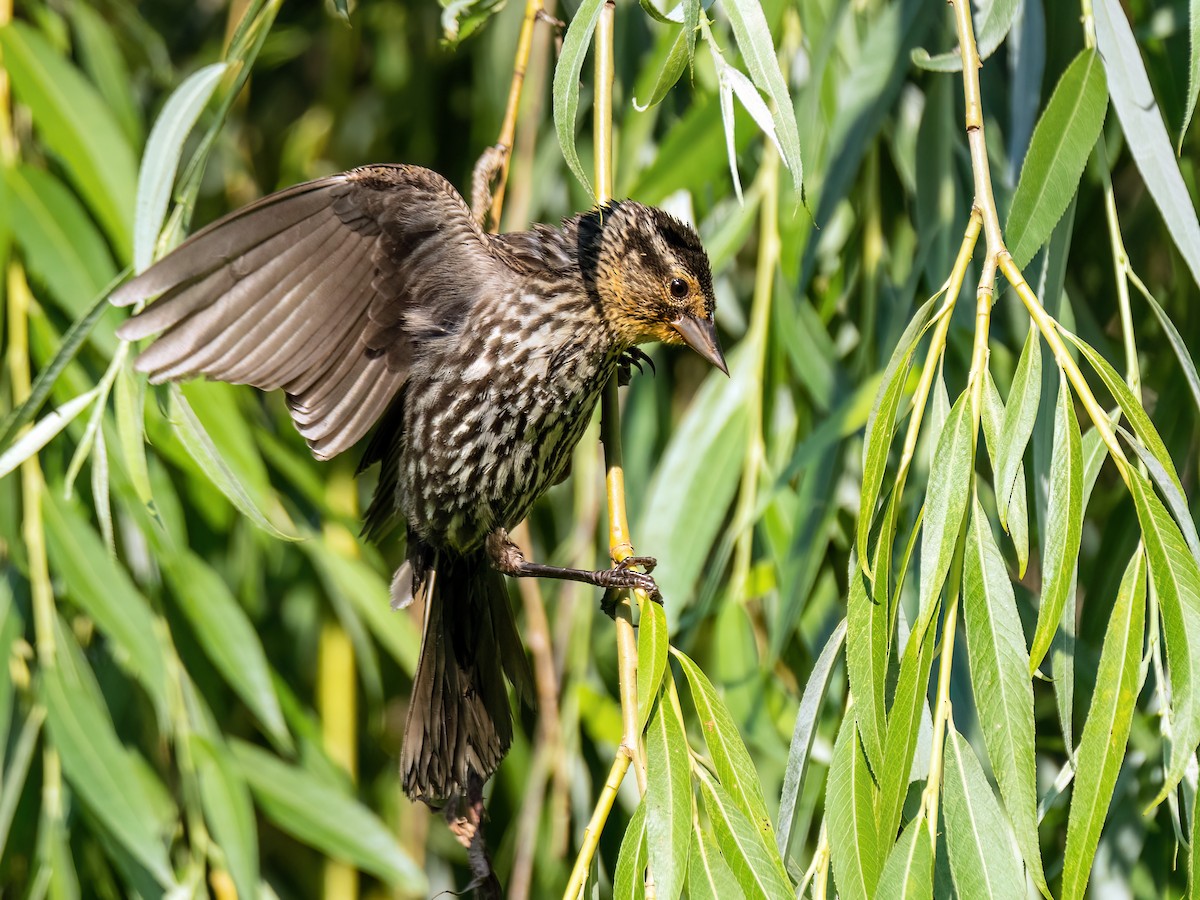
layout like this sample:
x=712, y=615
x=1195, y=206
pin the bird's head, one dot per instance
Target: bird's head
x=652, y=277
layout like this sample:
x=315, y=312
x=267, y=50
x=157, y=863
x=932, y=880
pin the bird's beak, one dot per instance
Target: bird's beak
x=701, y=336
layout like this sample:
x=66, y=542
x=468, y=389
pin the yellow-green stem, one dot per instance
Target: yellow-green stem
x=591, y=834
x=1049, y=329
x=509, y=127
x=620, y=545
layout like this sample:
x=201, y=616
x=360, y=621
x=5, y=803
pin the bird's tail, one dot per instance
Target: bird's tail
x=459, y=724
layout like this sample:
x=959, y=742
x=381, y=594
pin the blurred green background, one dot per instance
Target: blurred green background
x=191, y=703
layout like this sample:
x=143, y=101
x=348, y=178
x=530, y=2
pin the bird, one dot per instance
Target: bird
x=374, y=299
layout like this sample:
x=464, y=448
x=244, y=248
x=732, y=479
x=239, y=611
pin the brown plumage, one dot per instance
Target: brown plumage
x=374, y=296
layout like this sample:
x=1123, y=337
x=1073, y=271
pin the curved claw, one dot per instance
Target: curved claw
x=646, y=562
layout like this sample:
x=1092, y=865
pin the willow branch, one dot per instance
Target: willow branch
x=508, y=128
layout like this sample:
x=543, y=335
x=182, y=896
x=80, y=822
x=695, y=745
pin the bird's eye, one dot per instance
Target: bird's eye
x=679, y=288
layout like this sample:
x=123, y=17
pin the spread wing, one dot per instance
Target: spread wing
x=328, y=290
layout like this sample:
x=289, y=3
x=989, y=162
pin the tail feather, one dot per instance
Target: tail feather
x=459, y=724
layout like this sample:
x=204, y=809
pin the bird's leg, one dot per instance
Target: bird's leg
x=508, y=558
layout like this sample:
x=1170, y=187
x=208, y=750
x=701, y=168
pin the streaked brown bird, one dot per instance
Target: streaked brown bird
x=374, y=296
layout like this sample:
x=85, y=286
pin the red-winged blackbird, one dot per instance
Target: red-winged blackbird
x=375, y=296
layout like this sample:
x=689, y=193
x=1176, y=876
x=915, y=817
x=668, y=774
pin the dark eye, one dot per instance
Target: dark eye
x=679, y=288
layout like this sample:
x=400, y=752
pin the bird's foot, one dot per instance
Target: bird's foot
x=630, y=358
x=623, y=577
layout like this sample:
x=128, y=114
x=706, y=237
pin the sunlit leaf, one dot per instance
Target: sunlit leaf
x=946, y=500
x=730, y=758
x=802, y=735
x=566, y=83
x=756, y=867
x=709, y=876
x=1064, y=525
x=983, y=860
x=908, y=872
x=854, y=842
x=160, y=160
x=1000, y=680
x=1062, y=141
x=44, y=432
x=668, y=800
x=1102, y=746
x=1143, y=125
x=1176, y=579
x=753, y=38
x=652, y=655
x=629, y=878
x=881, y=424
x=75, y=123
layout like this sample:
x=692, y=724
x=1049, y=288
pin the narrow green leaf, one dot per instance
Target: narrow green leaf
x=229, y=812
x=868, y=624
x=995, y=21
x=729, y=123
x=1014, y=515
x=200, y=446
x=129, y=401
x=668, y=800
x=100, y=54
x=17, y=770
x=1000, y=679
x=1176, y=579
x=322, y=816
x=161, y=158
x=629, y=878
x=904, y=722
x=75, y=123
x=854, y=843
x=882, y=422
x=732, y=762
x=1064, y=524
x=1193, y=90
x=101, y=771
x=102, y=588
x=753, y=37
x=651, y=656
x=62, y=246
x=677, y=61
x=709, y=876
x=1142, y=122
x=908, y=872
x=946, y=500
x=696, y=480
x=566, y=83
x=802, y=736
x=1178, y=344
x=1062, y=141
x=228, y=637
x=1020, y=413
x=756, y=867
x=44, y=432
x=47, y=376
x=1106, y=731
x=979, y=840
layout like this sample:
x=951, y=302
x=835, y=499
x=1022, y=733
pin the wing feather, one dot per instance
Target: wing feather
x=329, y=290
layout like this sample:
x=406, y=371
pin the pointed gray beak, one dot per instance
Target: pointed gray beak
x=701, y=336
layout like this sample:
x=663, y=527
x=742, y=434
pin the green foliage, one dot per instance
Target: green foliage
x=203, y=685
